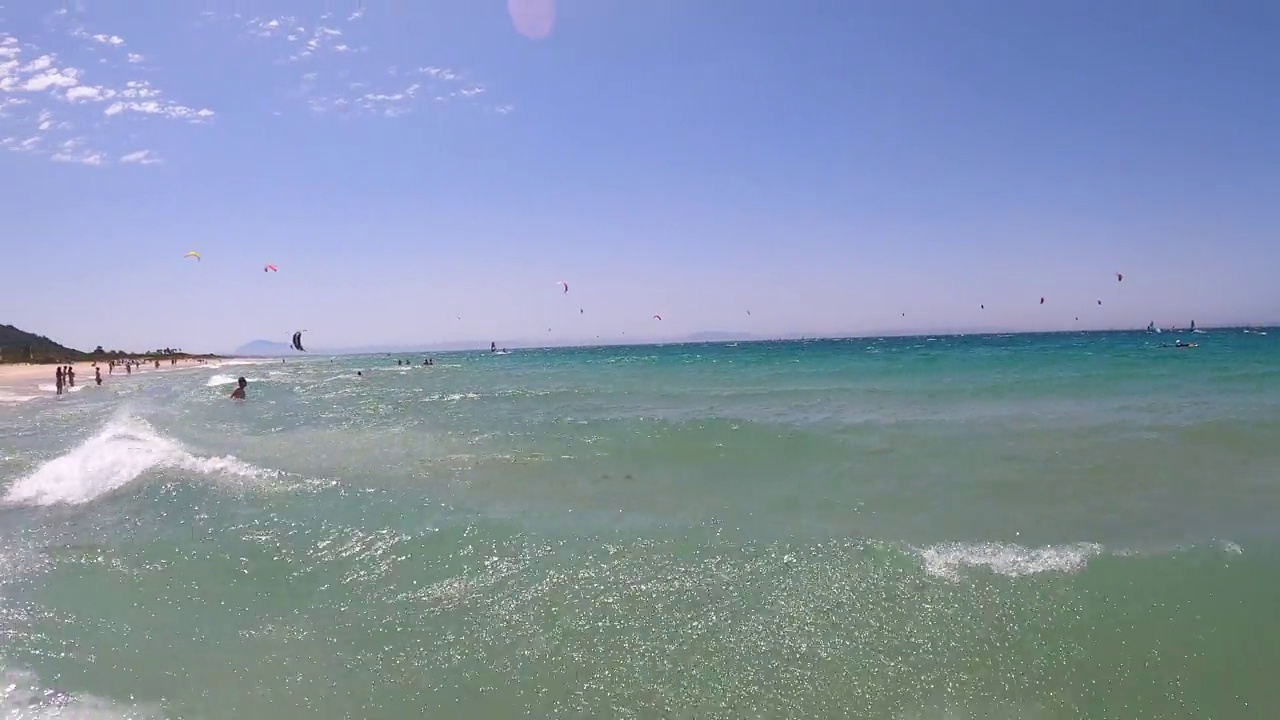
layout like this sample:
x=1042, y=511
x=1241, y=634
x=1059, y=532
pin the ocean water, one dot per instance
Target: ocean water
x=1032, y=526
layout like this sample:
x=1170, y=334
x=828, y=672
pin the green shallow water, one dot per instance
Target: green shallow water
x=1059, y=526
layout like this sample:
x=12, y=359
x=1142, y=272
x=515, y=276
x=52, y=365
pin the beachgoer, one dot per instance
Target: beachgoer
x=57, y=378
x=238, y=393
x=128, y=368
x=71, y=376
x=97, y=375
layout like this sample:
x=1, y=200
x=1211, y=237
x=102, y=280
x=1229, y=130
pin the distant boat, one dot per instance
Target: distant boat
x=1194, y=330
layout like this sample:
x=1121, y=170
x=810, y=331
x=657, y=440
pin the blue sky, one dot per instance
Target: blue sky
x=423, y=171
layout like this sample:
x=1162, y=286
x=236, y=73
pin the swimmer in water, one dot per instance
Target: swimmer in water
x=238, y=393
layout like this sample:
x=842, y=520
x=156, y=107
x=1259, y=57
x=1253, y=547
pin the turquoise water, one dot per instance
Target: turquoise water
x=1054, y=526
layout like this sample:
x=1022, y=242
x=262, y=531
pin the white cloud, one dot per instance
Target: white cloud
x=52, y=78
x=172, y=111
x=74, y=151
x=140, y=157
x=89, y=93
x=7, y=103
x=135, y=58
x=29, y=145
x=41, y=93
x=41, y=63
x=99, y=38
x=433, y=84
x=339, y=84
x=440, y=73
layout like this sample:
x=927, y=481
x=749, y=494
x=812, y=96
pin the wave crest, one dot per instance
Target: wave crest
x=120, y=453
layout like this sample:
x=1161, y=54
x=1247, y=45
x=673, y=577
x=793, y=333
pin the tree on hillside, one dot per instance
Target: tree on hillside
x=99, y=351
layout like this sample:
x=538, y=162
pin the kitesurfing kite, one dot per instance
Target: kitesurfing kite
x=297, y=341
x=1041, y=301
x=564, y=285
x=270, y=268
x=1119, y=277
x=1099, y=301
x=657, y=317
x=193, y=254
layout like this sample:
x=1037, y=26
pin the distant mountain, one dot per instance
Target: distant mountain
x=21, y=346
x=264, y=348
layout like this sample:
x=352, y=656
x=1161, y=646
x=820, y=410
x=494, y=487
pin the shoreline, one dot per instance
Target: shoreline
x=28, y=381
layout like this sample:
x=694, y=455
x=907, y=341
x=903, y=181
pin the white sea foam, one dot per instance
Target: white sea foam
x=124, y=450
x=22, y=697
x=52, y=388
x=12, y=398
x=242, y=361
x=217, y=380
x=946, y=560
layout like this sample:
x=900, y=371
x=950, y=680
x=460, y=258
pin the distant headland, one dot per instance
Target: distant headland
x=19, y=346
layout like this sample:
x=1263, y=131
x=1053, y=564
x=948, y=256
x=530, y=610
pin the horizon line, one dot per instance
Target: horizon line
x=464, y=346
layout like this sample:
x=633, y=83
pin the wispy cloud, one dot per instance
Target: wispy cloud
x=54, y=109
x=341, y=74
x=140, y=157
x=298, y=41
x=393, y=94
x=74, y=103
x=112, y=40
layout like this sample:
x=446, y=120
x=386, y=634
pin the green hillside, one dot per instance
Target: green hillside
x=19, y=346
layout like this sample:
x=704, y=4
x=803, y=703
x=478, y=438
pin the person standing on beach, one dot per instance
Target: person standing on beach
x=57, y=378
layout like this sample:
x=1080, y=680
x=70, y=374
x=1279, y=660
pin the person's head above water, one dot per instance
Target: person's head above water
x=242, y=382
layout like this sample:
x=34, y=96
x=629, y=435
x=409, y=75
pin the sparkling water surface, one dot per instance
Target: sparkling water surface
x=1029, y=526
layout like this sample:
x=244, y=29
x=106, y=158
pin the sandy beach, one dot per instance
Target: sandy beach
x=21, y=381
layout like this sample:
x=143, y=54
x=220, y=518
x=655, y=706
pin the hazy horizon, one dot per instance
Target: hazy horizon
x=694, y=338
x=417, y=171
